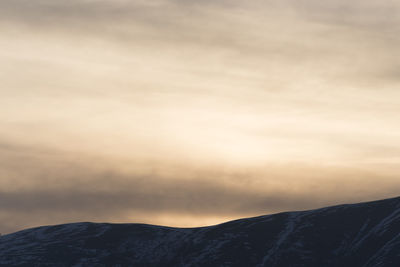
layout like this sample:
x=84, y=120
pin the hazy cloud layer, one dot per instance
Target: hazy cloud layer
x=182, y=112
x=48, y=187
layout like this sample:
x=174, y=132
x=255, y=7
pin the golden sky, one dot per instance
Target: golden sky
x=188, y=113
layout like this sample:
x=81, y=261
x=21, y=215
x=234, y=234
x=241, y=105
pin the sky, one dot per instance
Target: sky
x=189, y=113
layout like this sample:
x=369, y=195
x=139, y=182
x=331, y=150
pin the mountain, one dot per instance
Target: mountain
x=366, y=234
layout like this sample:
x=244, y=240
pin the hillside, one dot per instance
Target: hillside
x=366, y=234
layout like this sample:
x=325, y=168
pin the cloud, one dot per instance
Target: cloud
x=129, y=110
x=368, y=15
x=50, y=187
x=288, y=41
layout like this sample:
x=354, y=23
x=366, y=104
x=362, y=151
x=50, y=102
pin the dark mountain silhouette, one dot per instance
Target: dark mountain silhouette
x=366, y=234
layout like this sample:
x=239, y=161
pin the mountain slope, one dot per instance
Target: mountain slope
x=366, y=234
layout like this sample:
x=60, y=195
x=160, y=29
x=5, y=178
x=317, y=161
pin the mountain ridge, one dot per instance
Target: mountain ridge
x=362, y=234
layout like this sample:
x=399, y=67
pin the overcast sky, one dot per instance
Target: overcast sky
x=189, y=113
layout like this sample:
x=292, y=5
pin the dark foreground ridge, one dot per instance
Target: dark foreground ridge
x=366, y=234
